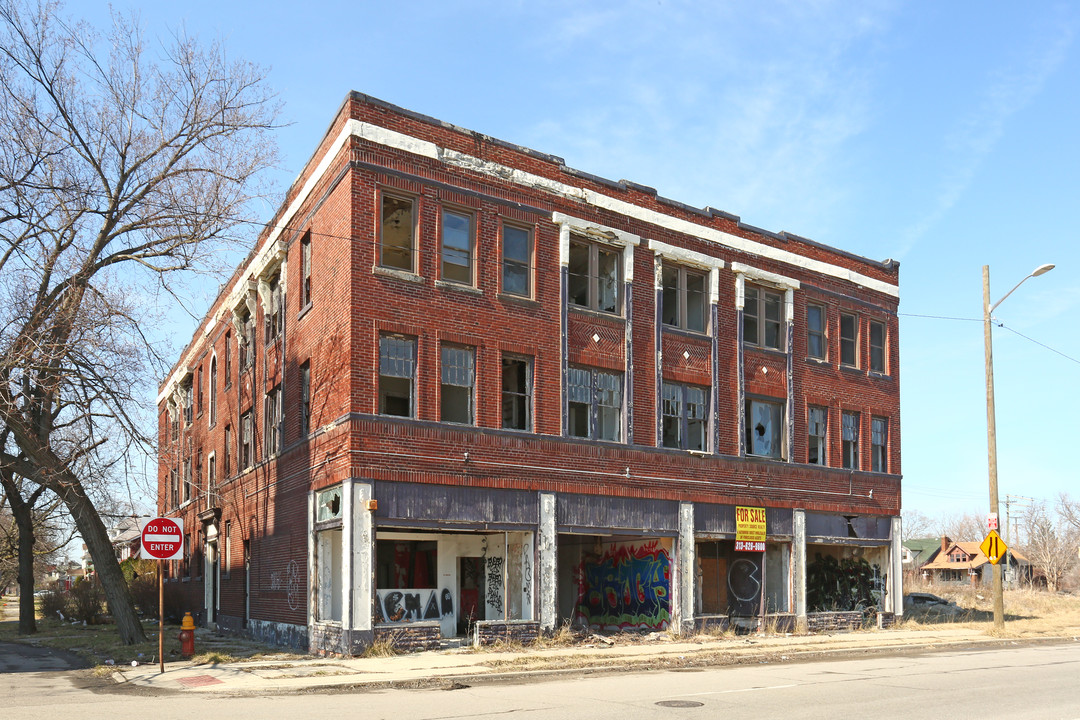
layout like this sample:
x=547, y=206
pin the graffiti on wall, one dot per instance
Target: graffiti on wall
x=289, y=582
x=744, y=585
x=413, y=605
x=495, y=583
x=627, y=587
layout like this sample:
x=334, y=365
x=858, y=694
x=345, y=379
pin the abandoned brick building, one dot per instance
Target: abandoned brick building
x=460, y=388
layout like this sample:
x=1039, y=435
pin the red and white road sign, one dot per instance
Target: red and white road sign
x=992, y=521
x=163, y=539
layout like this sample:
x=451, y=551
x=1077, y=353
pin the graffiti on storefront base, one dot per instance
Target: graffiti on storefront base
x=409, y=605
x=627, y=587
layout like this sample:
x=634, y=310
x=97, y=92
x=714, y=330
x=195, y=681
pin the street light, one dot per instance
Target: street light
x=991, y=425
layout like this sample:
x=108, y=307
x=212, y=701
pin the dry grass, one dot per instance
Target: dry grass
x=1028, y=612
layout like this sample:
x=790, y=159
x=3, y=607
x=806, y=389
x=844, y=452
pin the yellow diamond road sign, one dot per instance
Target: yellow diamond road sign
x=993, y=547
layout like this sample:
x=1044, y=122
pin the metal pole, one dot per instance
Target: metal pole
x=991, y=441
x=161, y=616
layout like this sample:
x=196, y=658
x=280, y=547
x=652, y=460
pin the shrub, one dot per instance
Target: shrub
x=53, y=604
x=85, y=600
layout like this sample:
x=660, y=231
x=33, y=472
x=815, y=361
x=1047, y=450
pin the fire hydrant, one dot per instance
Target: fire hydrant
x=187, y=636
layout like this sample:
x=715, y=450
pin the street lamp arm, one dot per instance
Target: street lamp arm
x=1034, y=273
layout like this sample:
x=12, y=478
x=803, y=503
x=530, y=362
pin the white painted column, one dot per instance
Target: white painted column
x=798, y=562
x=348, y=509
x=686, y=569
x=895, y=598
x=547, y=546
x=359, y=558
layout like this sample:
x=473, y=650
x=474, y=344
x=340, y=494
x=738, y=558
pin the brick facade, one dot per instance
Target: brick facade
x=257, y=513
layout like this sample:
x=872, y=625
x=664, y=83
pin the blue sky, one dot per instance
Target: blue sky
x=943, y=135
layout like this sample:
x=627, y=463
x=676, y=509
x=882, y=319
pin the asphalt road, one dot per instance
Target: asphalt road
x=1021, y=681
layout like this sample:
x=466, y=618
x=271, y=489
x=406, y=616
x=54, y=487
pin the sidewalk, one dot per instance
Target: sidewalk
x=445, y=667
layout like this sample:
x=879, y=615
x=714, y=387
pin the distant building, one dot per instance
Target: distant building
x=964, y=562
x=458, y=386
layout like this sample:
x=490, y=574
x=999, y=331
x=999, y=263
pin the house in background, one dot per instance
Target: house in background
x=126, y=537
x=917, y=552
x=458, y=385
x=964, y=562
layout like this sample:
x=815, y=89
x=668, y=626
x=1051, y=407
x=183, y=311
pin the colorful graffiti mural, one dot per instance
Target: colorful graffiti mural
x=628, y=587
x=413, y=605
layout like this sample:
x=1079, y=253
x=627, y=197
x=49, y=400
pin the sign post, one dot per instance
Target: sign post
x=162, y=539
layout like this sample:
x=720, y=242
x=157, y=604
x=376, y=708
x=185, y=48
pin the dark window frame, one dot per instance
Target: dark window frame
x=523, y=266
x=877, y=345
x=879, y=444
x=675, y=405
x=457, y=379
x=816, y=335
x=274, y=317
x=849, y=341
x=305, y=399
x=305, y=270
x=777, y=412
x=595, y=393
x=593, y=298
x=516, y=403
x=411, y=249
x=273, y=422
x=396, y=362
x=246, y=446
x=849, y=439
x=817, y=435
x=445, y=251
x=756, y=320
x=681, y=295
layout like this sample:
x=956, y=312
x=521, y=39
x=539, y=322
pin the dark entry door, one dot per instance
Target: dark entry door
x=745, y=580
x=471, y=602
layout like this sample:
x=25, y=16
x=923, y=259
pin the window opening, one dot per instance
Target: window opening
x=879, y=436
x=848, y=340
x=850, y=433
x=398, y=229
x=594, y=277
x=817, y=422
x=763, y=315
x=683, y=298
x=685, y=409
x=877, y=346
x=458, y=377
x=457, y=247
x=764, y=428
x=595, y=404
x=397, y=366
x=815, y=331
x=517, y=393
x=517, y=256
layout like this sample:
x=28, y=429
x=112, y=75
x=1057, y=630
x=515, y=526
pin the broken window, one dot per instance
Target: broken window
x=274, y=317
x=849, y=339
x=227, y=366
x=765, y=428
x=879, y=444
x=595, y=404
x=456, y=390
x=305, y=270
x=247, y=458
x=273, y=421
x=397, y=233
x=244, y=341
x=685, y=413
x=328, y=554
x=516, y=392
x=213, y=391
x=305, y=399
x=227, y=456
x=877, y=346
x=406, y=564
x=517, y=260
x=817, y=427
x=594, y=276
x=457, y=247
x=850, y=436
x=763, y=316
x=815, y=331
x=683, y=298
x=397, y=366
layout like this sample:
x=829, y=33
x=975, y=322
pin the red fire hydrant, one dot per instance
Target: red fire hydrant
x=187, y=636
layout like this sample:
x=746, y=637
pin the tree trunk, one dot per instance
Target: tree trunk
x=97, y=541
x=24, y=519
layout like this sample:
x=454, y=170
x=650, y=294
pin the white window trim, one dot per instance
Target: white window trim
x=690, y=258
x=598, y=233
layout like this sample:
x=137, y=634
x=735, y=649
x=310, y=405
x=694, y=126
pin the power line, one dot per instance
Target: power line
x=1043, y=345
x=939, y=317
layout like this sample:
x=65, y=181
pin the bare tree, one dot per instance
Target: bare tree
x=118, y=170
x=1050, y=544
x=917, y=525
x=31, y=537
